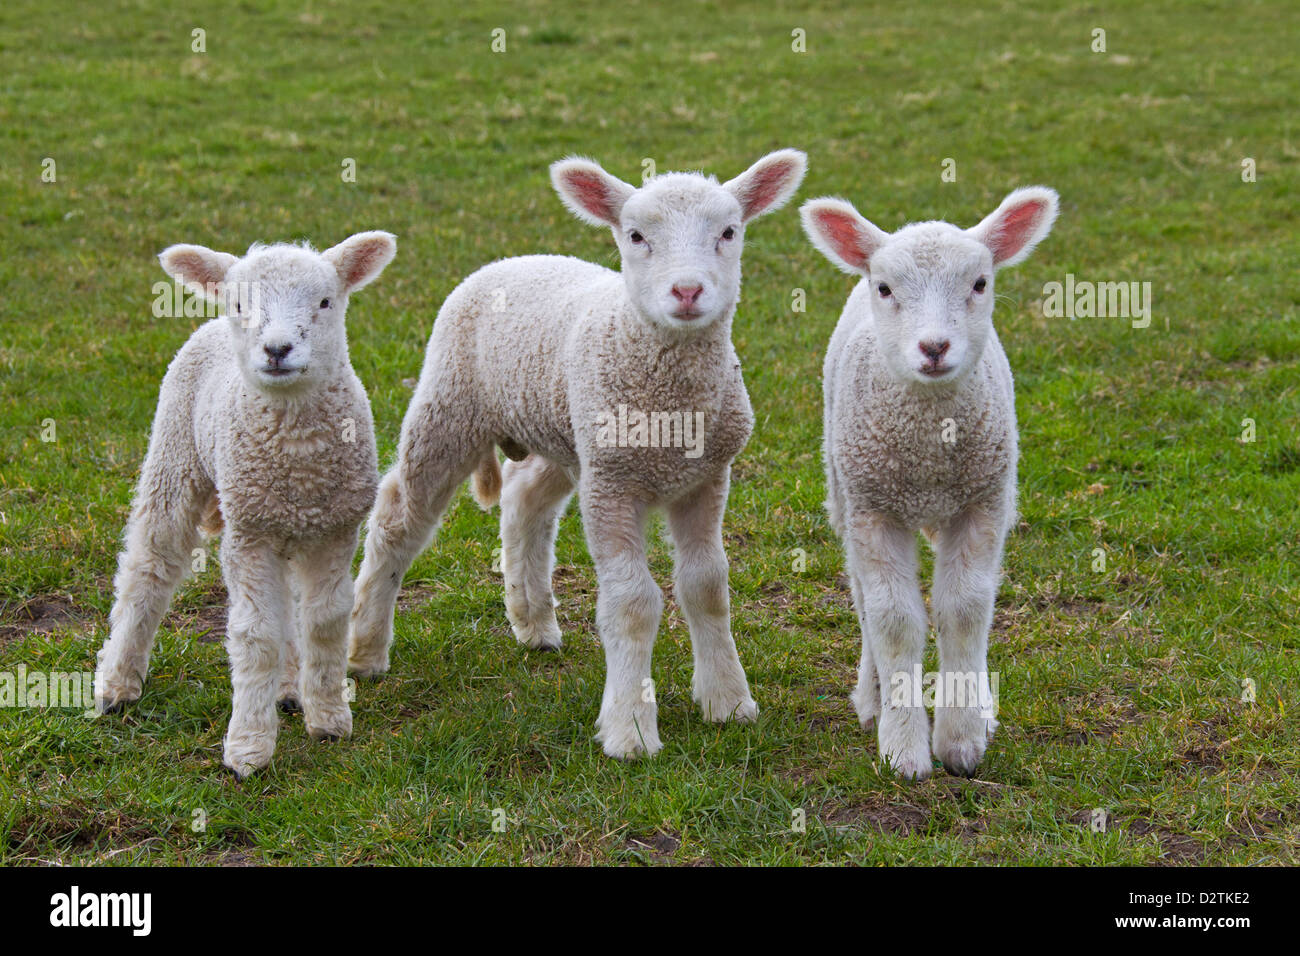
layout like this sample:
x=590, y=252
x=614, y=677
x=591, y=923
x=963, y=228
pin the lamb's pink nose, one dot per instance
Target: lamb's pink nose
x=934, y=350
x=687, y=294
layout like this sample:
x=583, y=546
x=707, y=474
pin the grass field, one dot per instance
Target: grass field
x=1120, y=689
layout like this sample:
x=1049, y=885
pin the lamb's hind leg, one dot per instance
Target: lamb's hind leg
x=533, y=496
x=435, y=456
x=968, y=556
x=866, y=695
x=700, y=584
x=160, y=536
x=882, y=560
x=324, y=584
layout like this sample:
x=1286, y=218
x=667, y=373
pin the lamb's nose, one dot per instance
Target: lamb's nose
x=687, y=294
x=934, y=350
x=277, y=352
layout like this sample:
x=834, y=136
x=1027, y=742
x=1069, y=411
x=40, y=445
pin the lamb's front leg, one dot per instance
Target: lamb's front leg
x=160, y=537
x=700, y=583
x=628, y=608
x=882, y=561
x=325, y=588
x=257, y=631
x=968, y=556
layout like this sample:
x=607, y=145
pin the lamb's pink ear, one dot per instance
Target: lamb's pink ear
x=590, y=193
x=359, y=259
x=769, y=183
x=198, y=268
x=1022, y=221
x=841, y=234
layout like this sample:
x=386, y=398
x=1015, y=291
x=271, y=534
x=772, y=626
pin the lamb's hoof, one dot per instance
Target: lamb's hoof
x=245, y=758
x=112, y=699
x=333, y=727
x=961, y=759
x=539, y=637
x=868, y=710
x=912, y=770
x=242, y=769
x=367, y=669
x=624, y=741
x=290, y=705
x=720, y=711
x=909, y=761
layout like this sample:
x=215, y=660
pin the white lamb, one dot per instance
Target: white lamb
x=920, y=434
x=625, y=386
x=262, y=424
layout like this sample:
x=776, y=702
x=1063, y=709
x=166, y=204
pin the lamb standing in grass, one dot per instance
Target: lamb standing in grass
x=546, y=357
x=262, y=424
x=920, y=434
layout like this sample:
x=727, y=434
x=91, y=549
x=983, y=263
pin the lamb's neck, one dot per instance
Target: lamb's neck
x=301, y=422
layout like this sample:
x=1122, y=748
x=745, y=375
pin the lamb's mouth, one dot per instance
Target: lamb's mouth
x=687, y=315
x=935, y=371
x=281, y=371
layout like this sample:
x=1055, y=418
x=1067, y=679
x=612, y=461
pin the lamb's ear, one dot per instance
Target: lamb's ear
x=360, y=258
x=841, y=234
x=1022, y=221
x=769, y=183
x=198, y=268
x=589, y=192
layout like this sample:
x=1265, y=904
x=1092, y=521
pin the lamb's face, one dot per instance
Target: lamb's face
x=680, y=235
x=930, y=285
x=931, y=294
x=285, y=304
x=286, y=307
x=680, y=238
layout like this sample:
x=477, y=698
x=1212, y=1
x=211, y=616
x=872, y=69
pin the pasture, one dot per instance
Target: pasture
x=1146, y=634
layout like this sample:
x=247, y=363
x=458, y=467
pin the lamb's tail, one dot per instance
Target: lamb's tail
x=486, y=481
x=212, y=523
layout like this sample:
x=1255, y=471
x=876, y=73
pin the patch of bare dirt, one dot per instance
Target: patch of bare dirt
x=1209, y=745
x=884, y=814
x=1175, y=848
x=78, y=827
x=660, y=847
x=207, y=623
x=40, y=615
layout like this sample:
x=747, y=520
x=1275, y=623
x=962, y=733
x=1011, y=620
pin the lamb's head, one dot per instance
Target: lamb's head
x=680, y=235
x=285, y=304
x=930, y=284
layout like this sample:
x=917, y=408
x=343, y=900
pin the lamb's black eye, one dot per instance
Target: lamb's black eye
x=729, y=233
x=324, y=303
x=980, y=284
x=636, y=237
x=883, y=290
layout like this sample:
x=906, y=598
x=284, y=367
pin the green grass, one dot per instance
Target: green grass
x=1120, y=690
